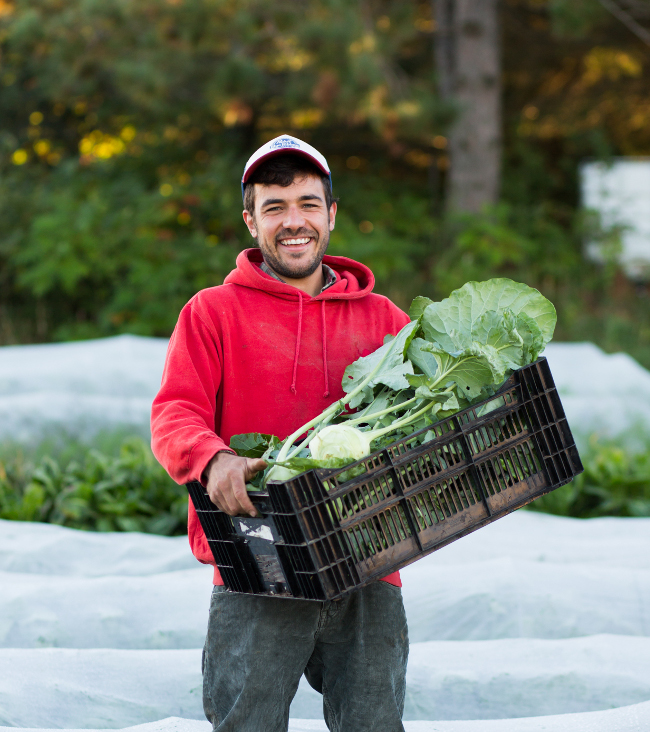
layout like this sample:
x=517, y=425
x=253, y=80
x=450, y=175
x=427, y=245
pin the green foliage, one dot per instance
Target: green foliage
x=98, y=492
x=129, y=491
x=125, y=127
x=253, y=444
x=576, y=18
x=616, y=482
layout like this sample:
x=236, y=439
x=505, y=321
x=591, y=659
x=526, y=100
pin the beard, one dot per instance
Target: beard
x=300, y=269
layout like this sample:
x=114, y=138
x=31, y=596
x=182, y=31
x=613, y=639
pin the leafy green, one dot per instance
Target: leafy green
x=253, y=444
x=99, y=492
x=420, y=355
x=392, y=373
x=462, y=310
x=418, y=306
x=451, y=354
x=480, y=333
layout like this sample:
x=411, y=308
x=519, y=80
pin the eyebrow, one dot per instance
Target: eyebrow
x=305, y=197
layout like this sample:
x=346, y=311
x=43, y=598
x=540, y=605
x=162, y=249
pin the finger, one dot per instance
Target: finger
x=215, y=498
x=220, y=494
x=240, y=494
x=246, y=505
x=254, y=466
x=214, y=494
x=229, y=498
x=233, y=492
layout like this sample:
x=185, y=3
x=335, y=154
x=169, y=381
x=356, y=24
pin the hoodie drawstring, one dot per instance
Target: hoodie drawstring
x=298, y=342
x=322, y=311
x=298, y=339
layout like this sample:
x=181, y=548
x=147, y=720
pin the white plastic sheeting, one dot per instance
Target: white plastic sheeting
x=620, y=190
x=526, y=575
x=83, y=386
x=446, y=679
x=634, y=718
x=53, y=550
x=532, y=615
x=604, y=394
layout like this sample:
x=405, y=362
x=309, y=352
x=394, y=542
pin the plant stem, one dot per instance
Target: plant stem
x=401, y=422
x=406, y=420
x=284, y=451
x=331, y=410
x=305, y=443
x=373, y=415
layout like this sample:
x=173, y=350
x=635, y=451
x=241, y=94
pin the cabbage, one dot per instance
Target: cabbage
x=340, y=441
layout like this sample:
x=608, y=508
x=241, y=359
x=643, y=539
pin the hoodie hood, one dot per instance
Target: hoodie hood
x=354, y=280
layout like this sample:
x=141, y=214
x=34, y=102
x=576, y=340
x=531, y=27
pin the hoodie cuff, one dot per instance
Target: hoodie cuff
x=202, y=454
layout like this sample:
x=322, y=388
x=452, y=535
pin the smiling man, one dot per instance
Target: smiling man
x=265, y=352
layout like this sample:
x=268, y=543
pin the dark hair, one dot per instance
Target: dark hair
x=282, y=170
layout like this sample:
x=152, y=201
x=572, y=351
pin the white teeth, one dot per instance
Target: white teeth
x=294, y=242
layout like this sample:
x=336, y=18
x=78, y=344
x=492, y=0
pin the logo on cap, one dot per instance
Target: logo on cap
x=284, y=142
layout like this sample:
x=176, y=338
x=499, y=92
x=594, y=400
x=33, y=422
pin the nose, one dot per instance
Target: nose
x=294, y=218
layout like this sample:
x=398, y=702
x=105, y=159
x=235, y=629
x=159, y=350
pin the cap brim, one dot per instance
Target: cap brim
x=283, y=151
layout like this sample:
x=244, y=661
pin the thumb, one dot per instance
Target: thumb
x=253, y=466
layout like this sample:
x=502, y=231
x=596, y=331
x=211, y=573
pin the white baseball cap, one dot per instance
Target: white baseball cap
x=280, y=146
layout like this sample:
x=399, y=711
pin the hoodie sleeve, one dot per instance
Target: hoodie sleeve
x=183, y=436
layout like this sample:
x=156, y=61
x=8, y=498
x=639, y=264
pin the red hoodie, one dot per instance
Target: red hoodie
x=258, y=355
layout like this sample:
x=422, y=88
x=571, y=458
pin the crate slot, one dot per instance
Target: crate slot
x=368, y=494
x=442, y=500
x=340, y=478
x=439, y=430
x=512, y=466
x=379, y=532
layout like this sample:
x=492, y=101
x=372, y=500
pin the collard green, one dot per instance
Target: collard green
x=453, y=353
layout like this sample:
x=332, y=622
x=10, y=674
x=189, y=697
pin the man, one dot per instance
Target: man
x=265, y=352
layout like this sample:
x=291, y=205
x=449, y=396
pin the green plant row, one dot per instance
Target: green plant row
x=615, y=482
x=129, y=491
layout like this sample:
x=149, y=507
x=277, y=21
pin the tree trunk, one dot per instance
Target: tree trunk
x=467, y=62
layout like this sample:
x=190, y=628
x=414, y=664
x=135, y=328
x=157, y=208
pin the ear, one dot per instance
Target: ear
x=332, y=215
x=250, y=222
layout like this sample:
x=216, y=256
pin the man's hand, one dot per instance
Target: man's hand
x=227, y=475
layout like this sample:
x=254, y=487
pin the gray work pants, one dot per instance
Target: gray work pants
x=353, y=651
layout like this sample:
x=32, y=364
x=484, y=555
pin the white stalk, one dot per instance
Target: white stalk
x=284, y=451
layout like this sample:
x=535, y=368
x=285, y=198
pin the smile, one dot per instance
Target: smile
x=295, y=242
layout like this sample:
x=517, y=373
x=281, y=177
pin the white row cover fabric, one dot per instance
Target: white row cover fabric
x=532, y=615
x=82, y=387
x=626, y=719
x=105, y=688
x=64, y=588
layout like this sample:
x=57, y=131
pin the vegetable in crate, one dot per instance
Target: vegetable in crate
x=452, y=354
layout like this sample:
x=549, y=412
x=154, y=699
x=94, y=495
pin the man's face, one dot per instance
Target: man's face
x=292, y=226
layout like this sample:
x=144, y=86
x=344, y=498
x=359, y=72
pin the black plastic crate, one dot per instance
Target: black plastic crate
x=323, y=533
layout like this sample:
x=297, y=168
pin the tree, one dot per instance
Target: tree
x=467, y=63
x=125, y=127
